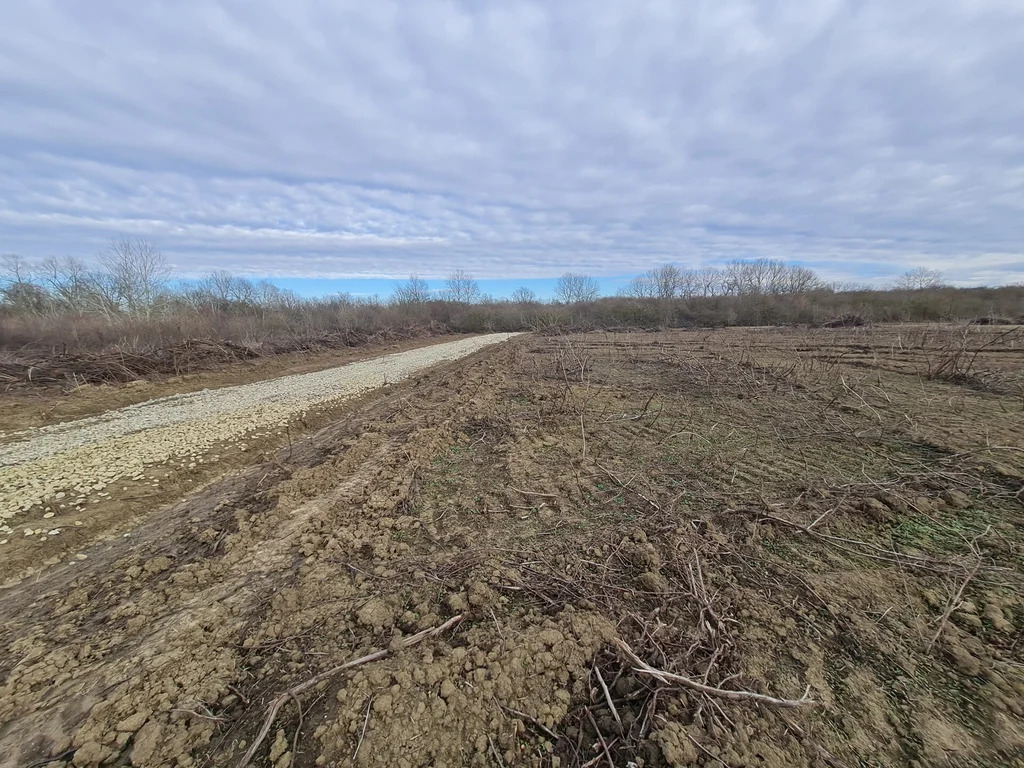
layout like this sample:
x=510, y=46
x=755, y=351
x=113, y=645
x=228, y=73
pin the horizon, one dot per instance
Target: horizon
x=357, y=145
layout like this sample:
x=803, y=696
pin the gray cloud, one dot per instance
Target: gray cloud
x=518, y=139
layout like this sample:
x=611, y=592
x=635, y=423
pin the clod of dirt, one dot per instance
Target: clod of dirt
x=876, y=510
x=994, y=614
x=676, y=747
x=376, y=614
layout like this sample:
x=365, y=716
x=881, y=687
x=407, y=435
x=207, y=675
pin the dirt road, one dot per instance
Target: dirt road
x=748, y=511
x=59, y=469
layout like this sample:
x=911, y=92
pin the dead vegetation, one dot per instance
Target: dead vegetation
x=133, y=362
x=738, y=547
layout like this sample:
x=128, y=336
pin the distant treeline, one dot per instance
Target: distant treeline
x=132, y=301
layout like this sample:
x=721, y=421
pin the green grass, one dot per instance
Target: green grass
x=931, y=534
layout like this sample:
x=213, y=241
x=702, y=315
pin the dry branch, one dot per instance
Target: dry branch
x=278, y=702
x=955, y=601
x=608, y=696
x=670, y=677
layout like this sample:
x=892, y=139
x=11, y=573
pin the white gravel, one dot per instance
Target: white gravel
x=69, y=463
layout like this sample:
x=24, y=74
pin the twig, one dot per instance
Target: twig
x=534, y=493
x=704, y=749
x=547, y=731
x=298, y=728
x=494, y=751
x=362, y=733
x=823, y=753
x=608, y=697
x=201, y=716
x=959, y=593
x=600, y=738
x=667, y=677
x=583, y=434
x=278, y=702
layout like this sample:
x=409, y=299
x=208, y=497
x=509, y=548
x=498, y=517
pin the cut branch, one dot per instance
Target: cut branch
x=291, y=693
x=639, y=665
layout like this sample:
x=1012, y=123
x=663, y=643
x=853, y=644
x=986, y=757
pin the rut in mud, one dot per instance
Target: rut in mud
x=759, y=521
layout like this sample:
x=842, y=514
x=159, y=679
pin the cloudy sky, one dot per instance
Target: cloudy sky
x=373, y=139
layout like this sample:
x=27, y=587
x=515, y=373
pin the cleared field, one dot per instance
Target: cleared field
x=740, y=547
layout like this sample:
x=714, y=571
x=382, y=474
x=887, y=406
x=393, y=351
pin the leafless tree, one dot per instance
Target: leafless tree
x=523, y=295
x=768, y=277
x=574, y=288
x=667, y=280
x=708, y=282
x=270, y=295
x=801, y=280
x=639, y=287
x=461, y=287
x=138, y=272
x=15, y=269
x=919, y=278
x=415, y=290
x=73, y=288
x=17, y=289
x=220, y=286
x=223, y=290
x=688, y=284
x=664, y=282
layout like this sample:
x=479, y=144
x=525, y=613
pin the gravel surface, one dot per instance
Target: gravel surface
x=67, y=463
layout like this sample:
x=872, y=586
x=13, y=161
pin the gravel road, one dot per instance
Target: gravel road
x=69, y=462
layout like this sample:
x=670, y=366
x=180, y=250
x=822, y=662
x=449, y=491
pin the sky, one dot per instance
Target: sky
x=341, y=145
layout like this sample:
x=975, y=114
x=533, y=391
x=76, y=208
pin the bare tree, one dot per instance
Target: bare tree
x=918, y=279
x=461, y=287
x=574, y=288
x=709, y=282
x=523, y=295
x=801, y=280
x=73, y=288
x=689, y=284
x=639, y=287
x=138, y=272
x=223, y=290
x=666, y=279
x=220, y=286
x=664, y=282
x=768, y=277
x=15, y=269
x=755, y=277
x=17, y=289
x=270, y=295
x=413, y=291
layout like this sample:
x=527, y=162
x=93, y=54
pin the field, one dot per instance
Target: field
x=737, y=547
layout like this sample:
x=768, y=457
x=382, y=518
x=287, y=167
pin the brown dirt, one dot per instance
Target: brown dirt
x=26, y=408
x=562, y=494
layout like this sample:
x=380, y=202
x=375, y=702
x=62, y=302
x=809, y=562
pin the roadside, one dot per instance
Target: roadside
x=22, y=408
x=71, y=482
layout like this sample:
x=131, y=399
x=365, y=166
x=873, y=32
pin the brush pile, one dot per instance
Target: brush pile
x=131, y=362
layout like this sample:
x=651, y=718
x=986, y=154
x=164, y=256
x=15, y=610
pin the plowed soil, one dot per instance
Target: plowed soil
x=832, y=519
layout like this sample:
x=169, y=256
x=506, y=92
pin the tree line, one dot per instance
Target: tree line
x=133, y=279
x=131, y=299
